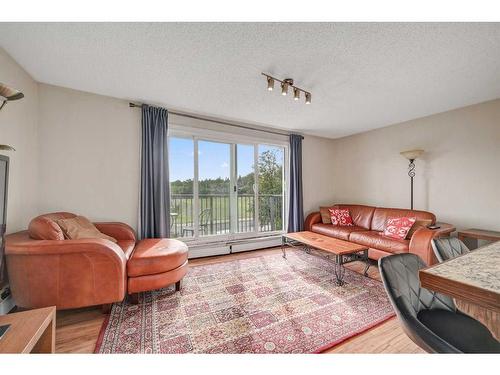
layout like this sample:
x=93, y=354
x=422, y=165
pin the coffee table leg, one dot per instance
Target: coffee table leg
x=367, y=261
x=283, y=246
x=339, y=269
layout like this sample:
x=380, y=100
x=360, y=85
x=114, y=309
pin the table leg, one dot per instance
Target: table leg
x=283, y=246
x=47, y=341
x=339, y=269
x=367, y=261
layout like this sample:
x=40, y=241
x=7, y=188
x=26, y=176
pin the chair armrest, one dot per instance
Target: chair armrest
x=312, y=218
x=119, y=231
x=445, y=230
x=420, y=242
x=65, y=273
x=62, y=247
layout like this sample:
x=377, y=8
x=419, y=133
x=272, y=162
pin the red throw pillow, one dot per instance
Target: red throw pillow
x=398, y=227
x=341, y=217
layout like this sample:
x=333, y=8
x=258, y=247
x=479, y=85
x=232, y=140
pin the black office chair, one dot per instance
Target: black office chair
x=448, y=248
x=430, y=319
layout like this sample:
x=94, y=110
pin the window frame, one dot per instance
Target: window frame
x=199, y=134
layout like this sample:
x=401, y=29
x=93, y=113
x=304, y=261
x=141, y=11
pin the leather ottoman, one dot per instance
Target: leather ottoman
x=156, y=263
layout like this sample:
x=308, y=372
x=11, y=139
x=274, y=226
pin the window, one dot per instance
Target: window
x=224, y=190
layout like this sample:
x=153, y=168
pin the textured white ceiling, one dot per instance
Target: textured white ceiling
x=362, y=76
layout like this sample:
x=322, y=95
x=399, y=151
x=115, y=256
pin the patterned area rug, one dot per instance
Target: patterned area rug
x=264, y=304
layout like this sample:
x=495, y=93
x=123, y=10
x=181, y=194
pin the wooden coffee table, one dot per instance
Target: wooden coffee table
x=343, y=251
x=31, y=331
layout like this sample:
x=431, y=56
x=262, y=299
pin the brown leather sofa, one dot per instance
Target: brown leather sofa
x=45, y=269
x=369, y=223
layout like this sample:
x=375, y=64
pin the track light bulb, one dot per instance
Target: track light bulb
x=270, y=83
x=296, y=93
x=308, y=98
x=284, y=88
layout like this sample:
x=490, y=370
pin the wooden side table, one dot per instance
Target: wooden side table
x=478, y=234
x=32, y=331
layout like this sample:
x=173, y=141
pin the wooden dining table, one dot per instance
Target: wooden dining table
x=473, y=280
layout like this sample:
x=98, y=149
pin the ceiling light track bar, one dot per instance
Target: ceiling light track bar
x=196, y=117
x=285, y=84
x=288, y=81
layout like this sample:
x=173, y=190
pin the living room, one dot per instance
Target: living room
x=250, y=187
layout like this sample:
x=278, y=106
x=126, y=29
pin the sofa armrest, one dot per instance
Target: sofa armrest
x=420, y=242
x=312, y=218
x=66, y=273
x=119, y=231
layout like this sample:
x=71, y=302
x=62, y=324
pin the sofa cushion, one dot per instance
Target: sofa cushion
x=340, y=232
x=361, y=215
x=44, y=227
x=325, y=215
x=156, y=255
x=377, y=254
x=375, y=240
x=380, y=216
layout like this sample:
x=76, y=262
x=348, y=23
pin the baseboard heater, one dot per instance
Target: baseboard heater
x=233, y=246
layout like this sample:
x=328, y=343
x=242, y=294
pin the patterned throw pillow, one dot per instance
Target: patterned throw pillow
x=341, y=217
x=398, y=227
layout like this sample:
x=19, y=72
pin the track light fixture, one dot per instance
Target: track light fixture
x=270, y=83
x=285, y=84
x=296, y=94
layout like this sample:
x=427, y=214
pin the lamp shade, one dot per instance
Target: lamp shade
x=412, y=154
x=9, y=93
x=7, y=148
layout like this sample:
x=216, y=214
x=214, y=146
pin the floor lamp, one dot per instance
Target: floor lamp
x=8, y=94
x=411, y=155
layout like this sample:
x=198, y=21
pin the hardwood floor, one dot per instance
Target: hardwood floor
x=77, y=330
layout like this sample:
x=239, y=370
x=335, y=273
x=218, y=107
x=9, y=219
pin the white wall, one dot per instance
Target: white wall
x=318, y=178
x=458, y=177
x=89, y=155
x=18, y=128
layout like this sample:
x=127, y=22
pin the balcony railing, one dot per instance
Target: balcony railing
x=215, y=214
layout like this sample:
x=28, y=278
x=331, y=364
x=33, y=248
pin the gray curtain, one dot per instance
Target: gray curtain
x=296, y=209
x=154, y=217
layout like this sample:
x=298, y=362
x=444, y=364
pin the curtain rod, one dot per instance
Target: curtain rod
x=133, y=105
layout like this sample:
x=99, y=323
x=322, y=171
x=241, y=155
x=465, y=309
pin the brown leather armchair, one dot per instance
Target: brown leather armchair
x=47, y=270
